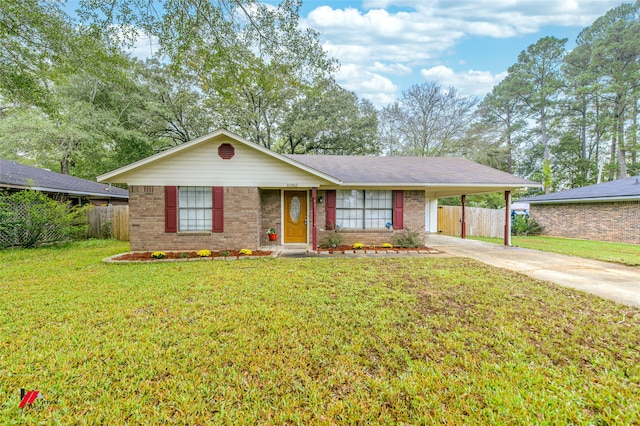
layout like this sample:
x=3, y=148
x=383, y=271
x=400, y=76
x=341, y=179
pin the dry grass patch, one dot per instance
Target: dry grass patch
x=313, y=341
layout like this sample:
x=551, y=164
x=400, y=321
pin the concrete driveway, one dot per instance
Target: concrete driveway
x=607, y=280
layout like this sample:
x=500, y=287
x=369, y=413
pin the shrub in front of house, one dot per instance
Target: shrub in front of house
x=204, y=253
x=387, y=245
x=158, y=255
x=30, y=218
x=408, y=239
x=358, y=246
x=333, y=239
x=523, y=224
x=246, y=252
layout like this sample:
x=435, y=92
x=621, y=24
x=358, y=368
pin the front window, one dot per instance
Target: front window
x=194, y=208
x=363, y=209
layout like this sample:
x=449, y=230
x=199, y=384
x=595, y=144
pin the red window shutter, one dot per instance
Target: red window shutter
x=217, y=216
x=398, y=209
x=330, y=209
x=170, y=209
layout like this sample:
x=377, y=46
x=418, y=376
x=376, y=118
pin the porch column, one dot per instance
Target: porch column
x=464, y=223
x=507, y=218
x=314, y=229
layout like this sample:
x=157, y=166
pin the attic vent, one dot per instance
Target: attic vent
x=226, y=151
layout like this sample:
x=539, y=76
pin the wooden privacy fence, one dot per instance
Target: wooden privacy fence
x=480, y=222
x=109, y=222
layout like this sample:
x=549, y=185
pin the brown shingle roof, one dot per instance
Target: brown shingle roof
x=395, y=170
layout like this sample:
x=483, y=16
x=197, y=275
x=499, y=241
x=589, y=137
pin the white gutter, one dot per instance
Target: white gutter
x=65, y=191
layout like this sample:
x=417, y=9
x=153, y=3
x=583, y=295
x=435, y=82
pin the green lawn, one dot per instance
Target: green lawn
x=306, y=341
x=627, y=254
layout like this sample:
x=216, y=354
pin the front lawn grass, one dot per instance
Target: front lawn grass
x=306, y=341
x=626, y=254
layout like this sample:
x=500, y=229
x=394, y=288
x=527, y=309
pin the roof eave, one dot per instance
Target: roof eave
x=84, y=193
x=445, y=184
x=63, y=191
x=585, y=200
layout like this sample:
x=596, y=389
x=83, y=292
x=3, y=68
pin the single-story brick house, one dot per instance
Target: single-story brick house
x=221, y=191
x=18, y=177
x=608, y=211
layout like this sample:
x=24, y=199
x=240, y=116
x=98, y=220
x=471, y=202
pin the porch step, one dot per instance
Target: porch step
x=296, y=250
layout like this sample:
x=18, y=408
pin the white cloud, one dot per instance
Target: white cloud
x=144, y=47
x=394, y=69
x=378, y=89
x=471, y=82
x=381, y=43
x=400, y=37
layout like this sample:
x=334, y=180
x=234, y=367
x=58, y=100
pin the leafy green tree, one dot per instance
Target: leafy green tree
x=175, y=108
x=538, y=79
x=69, y=98
x=578, y=119
x=613, y=42
x=330, y=120
x=250, y=60
x=502, y=109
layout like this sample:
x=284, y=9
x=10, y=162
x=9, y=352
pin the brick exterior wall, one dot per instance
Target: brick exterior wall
x=270, y=207
x=414, y=215
x=616, y=222
x=242, y=222
x=248, y=214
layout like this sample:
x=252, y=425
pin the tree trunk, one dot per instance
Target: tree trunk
x=545, y=144
x=509, y=148
x=583, y=141
x=622, y=153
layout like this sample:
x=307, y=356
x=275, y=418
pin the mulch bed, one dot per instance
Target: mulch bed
x=146, y=256
x=377, y=249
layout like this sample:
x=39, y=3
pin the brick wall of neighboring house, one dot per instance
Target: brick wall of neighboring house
x=414, y=215
x=270, y=214
x=617, y=222
x=242, y=222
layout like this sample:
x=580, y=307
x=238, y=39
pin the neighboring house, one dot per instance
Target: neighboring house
x=607, y=211
x=223, y=192
x=519, y=207
x=17, y=177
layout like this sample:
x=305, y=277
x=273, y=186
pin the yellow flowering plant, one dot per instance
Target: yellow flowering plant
x=245, y=251
x=204, y=253
x=158, y=255
x=358, y=246
x=387, y=245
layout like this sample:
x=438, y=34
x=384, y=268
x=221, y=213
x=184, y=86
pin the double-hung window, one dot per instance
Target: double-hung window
x=357, y=209
x=194, y=208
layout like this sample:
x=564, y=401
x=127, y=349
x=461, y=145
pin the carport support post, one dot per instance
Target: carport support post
x=507, y=218
x=464, y=223
x=314, y=230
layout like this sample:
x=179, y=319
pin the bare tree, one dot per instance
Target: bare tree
x=428, y=120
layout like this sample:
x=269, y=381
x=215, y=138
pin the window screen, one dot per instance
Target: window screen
x=357, y=209
x=194, y=208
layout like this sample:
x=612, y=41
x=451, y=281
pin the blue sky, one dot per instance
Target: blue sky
x=386, y=46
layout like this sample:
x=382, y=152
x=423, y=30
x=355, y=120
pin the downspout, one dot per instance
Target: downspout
x=464, y=223
x=314, y=229
x=507, y=218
